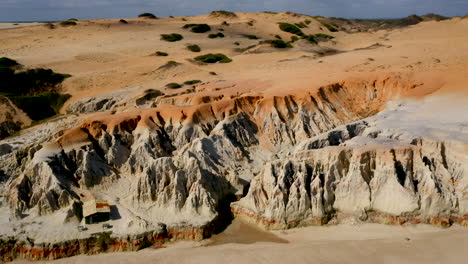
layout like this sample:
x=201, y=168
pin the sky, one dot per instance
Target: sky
x=51, y=10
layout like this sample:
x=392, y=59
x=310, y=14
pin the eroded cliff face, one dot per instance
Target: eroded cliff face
x=314, y=158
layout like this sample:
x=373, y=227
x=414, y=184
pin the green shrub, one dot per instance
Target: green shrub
x=123, y=21
x=218, y=35
x=286, y=27
x=171, y=37
x=68, y=23
x=213, y=58
x=7, y=62
x=251, y=36
x=40, y=106
x=325, y=36
x=198, y=28
x=192, y=82
x=310, y=38
x=161, y=54
x=147, y=15
x=278, y=37
x=223, y=13
x=330, y=27
x=294, y=38
x=307, y=22
x=173, y=85
x=301, y=25
x=73, y=19
x=280, y=44
x=194, y=48
x=270, y=12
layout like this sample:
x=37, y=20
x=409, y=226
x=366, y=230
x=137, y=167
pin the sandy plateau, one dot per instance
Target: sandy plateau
x=350, y=149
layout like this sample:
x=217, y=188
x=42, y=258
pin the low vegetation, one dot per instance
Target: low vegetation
x=301, y=25
x=294, y=38
x=35, y=91
x=324, y=36
x=217, y=35
x=192, y=82
x=290, y=28
x=270, y=12
x=278, y=37
x=194, y=48
x=198, y=28
x=173, y=85
x=147, y=15
x=330, y=27
x=251, y=36
x=213, y=58
x=68, y=23
x=169, y=65
x=161, y=54
x=310, y=38
x=171, y=37
x=223, y=13
x=280, y=44
x=123, y=21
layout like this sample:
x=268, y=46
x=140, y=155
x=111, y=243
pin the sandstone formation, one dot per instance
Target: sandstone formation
x=12, y=118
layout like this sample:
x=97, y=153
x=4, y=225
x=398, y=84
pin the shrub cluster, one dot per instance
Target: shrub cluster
x=324, y=36
x=173, y=85
x=198, y=28
x=217, y=35
x=251, y=36
x=171, y=37
x=280, y=44
x=213, y=58
x=161, y=54
x=69, y=22
x=194, y=48
x=35, y=91
x=147, y=15
x=192, y=82
x=330, y=27
x=286, y=27
x=223, y=13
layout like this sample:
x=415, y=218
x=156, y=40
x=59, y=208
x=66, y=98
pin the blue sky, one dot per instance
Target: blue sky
x=31, y=10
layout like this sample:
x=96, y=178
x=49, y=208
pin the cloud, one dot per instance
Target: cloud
x=15, y=10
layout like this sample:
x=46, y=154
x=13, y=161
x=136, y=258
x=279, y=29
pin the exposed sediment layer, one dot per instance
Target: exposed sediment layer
x=301, y=159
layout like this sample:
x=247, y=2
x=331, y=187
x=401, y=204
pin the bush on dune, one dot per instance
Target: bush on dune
x=147, y=15
x=198, y=28
x=173, y=85
x=218, y=35
x=286, y=27
x=68, y=23
x=161, y=54
x=171, y=37
x=213, y=58
x=194, y=48
x=280, y=44
x=192, y=82
x=35, y=91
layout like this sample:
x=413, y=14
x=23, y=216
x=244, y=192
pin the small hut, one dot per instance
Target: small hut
x=95, y=211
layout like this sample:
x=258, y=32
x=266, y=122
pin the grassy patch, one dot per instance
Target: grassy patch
x=194, y=48
x=161, y=54
x=330, y=27
x=68, y=23
x=301, y=25
x=173, y=85
x=213, y=58
x=198, y=28
x=192, y=82
x=280, y=44
x=294, y=38
x=223, y=13
x=310, y=38
x=35, y=91
x=148, y=15
x=307, y=22
x=251, y=36
x=217, y=35
x=286, y=27
x=324, y=36
x=171, y=37
x=40, y=106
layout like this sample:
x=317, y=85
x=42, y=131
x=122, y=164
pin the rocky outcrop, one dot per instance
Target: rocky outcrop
x=417, y=183
x=302, y=159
